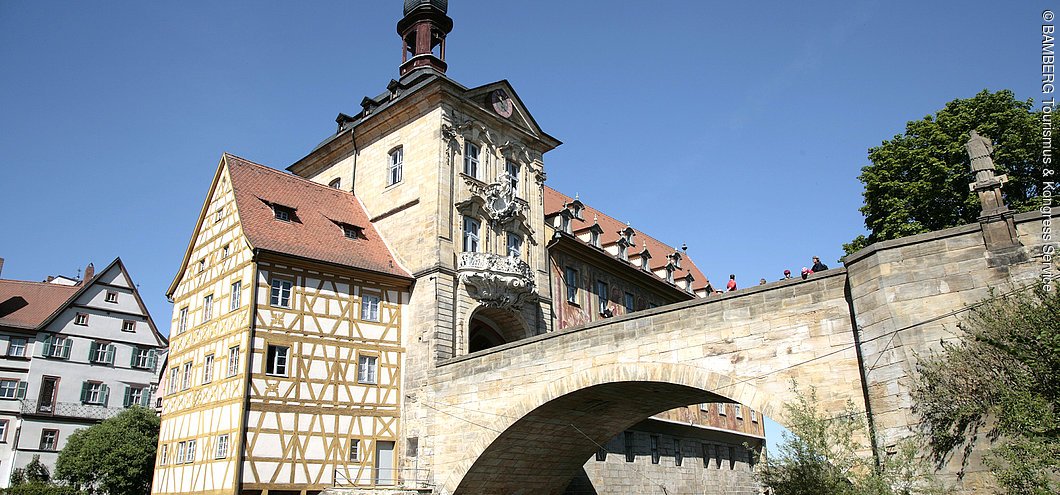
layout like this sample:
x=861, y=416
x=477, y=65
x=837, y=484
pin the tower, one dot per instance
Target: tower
x=422, y=30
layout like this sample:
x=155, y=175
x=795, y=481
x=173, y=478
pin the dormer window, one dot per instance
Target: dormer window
x=350, y=231
x=688, y=283
x=594, y=238
x=627, y=234
x=675, y=258
x=471, y=153
x=576, y=208
x=336, y=183
x=670, y=273
x=623, y=250
x=565, y=221
x=282, y=213
x=644, y=257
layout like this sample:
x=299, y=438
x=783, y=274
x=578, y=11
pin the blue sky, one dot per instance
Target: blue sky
x=738, y=128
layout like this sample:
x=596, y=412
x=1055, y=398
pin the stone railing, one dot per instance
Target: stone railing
x=71, y=410
x=497, y=281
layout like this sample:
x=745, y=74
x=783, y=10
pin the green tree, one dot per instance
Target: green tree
x=1001, y=377
x=114, y=457
x=918, y=181
x=34, y=479
x=821, y=457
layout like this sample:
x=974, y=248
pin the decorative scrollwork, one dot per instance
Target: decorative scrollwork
x=497, y=281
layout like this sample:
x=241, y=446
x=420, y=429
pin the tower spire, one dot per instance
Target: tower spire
x=423, y=31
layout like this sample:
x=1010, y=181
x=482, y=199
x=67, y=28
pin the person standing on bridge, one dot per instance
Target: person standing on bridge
x=818, y=266
x=731, y=286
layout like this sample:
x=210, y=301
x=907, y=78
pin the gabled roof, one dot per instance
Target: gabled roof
x=314, y=231
x=45, y=301
x=555, y=202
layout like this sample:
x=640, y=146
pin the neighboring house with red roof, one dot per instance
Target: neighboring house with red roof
x=74, y=352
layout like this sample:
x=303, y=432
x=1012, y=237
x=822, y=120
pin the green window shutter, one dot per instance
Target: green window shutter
x=152, y=360
x=110, y=354
x=128, y=396
x=92, y=348
x=46, y=348
x=21, y=394
x=66, y=348
x=132, y=358
x=106, y=395
x=84, y=392
x=145, y=398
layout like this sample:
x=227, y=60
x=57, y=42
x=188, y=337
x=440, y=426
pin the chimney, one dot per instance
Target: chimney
x=89, y=272
x=1, y=266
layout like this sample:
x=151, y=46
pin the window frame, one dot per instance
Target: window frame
x=128, y=323
x=628, y=444
x=186, y=370
x=472, y=240
x=4, y=387
x=276, y=297
x=146, y=361
x=81, y=319
x=221, y=450
x=281, y=213
x=207, y=307
x=601, y=295
x=371, y=305
x=678, y=455
x=517, y=244
x=653, y=446
x=570, y=280
x=471, y=160
x=277, y=360
x=335, y=183
x=512, y=168
x=111, y=297
x=233, y=362
x=182, y=320
x=235, y=297
x=207, y=368
x=54, y=447
x=11, y=346
x=368, y=369
x=629, y=301
x=395, y=166
x=95, y=393
x=355, y=450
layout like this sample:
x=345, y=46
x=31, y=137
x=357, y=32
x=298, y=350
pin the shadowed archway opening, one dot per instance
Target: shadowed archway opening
x=491, y=327
x=542, y=451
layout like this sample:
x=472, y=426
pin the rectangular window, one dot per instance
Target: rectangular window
x=276, y=360
x=281, y=213
x=629, y=303
x=164, y=456
x=81, y=319
x=513, y=172
x=471, y=227
x=207, y=307
x=678, y=455
x=3, y=431
x=237, y=296
x=112, y=297
x=185, y=381
x=515, y=245
x=572, y=285
x=355, y=449
x=222, y=447
x=135, y=396
x=739, y=410
x=367, y=368
x=754, y=416
x=190, y=458
x=705, y=407
x=57, y=346
x=722, y=409
x=49, y=440
x=128, y=326
x=174, y=375
x=16, y=347
x=226, y=250
x=101, y=353
x=181, y=447
x=233, y=361
x=182, y=321
x=594, y=238
x=8, y=389
x=393, y=175
x=601, y=454
x=202, y=265
x=601, y=296
x=219, y=214
x=470, y=159
x=628, y=444
x=207, y=369
x=351, y=231
x=94, y=393
x=706, y=455
x=654, y=449
x=280, y=295
x=369, y=307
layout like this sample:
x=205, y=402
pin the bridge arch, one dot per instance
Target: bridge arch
x=490, y=327
x=538, y=443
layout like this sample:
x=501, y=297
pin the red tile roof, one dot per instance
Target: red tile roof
x=43, y=299
x=555, y=202
x=314, y=231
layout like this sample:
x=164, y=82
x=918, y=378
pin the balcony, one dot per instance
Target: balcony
x=497, y=281
x=71, y=410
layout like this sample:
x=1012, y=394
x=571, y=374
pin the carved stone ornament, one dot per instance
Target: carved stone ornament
x=501, y=204
x=497, y=281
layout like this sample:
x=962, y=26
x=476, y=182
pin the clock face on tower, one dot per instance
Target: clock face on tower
x=502, y=103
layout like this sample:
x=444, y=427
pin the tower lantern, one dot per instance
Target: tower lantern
x=422, y=30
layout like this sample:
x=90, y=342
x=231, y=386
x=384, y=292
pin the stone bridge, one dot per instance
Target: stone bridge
x=523, y=417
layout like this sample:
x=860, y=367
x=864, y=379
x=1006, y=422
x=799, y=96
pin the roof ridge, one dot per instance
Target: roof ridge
x=44, y=284
x=297, y=178
x=601, y=212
